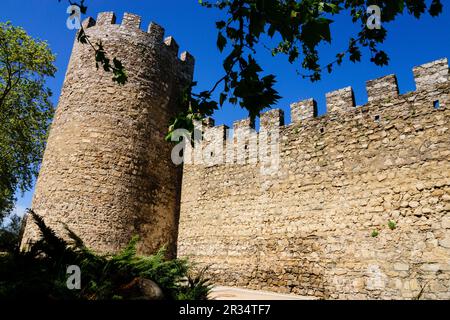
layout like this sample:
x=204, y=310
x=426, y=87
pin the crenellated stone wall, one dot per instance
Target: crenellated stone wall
x=318, y=224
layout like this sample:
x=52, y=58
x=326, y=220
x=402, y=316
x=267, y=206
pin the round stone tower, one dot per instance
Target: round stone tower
x=107, y=171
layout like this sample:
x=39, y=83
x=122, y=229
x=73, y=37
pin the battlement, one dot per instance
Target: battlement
x=306, y=207
x=431, y=79
x=154, y=36
x=382, y=88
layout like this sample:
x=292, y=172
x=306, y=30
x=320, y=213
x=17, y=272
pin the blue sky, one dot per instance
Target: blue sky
x=410, y=42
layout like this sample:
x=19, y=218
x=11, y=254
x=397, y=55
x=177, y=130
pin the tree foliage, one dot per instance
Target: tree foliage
x=296, y=28
x=25, y=110
x=10, y=234
x=41, y=271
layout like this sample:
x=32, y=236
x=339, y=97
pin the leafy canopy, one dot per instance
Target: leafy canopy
x=10, y=234
x=296, y=29
x=25, y=110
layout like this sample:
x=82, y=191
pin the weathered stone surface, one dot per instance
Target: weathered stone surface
x=342, y=100
x=107, y=171
x=431, y=74
x=401, y=267
x=445, y=242
x=307, y=228
x=303, y=110
x=446, y=222
x=384, y=88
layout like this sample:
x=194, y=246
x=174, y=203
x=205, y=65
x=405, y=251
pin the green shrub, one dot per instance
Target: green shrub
x=10, y=234
x=40, y=272
x=196, y=286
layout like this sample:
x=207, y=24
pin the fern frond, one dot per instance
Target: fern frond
x=55, y=245
x=77, y=242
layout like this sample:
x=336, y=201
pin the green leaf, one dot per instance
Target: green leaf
x=83, y=9
x=223, y=97
x=82, y=37
x=26, y=110
x=220, y=24
x=221, y=41
x=316, y=31
x=435, y=8
x=380, y=58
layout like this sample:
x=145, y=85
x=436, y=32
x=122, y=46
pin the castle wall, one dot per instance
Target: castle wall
x=107, y=171
x=307, y=227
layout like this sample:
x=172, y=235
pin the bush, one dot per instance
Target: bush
x=10, y=234
x=392, y=225
x=41, y=271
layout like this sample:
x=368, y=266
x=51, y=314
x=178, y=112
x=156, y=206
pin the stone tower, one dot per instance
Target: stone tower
x=107, y=171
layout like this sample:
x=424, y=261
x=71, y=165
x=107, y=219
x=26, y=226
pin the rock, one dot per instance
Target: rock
x=430, y=267
x=445, y=242
x=401, y=267
x=433, y=200
x=420, y=186
x=414, y=285
x=437, y=192
x=404, y=204
x=413, y=204
x=141, y=289
x=395, y=214
x=446, y=222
